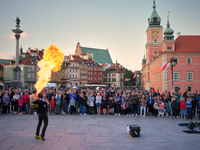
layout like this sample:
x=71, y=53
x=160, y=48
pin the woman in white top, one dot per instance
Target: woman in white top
x=98, y=103
x=15, y=100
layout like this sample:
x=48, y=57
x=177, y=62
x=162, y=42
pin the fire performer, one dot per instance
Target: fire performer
x=42, y=114
x=51, y=62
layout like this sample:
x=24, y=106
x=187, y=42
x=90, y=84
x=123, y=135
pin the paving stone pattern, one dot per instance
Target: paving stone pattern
x=94, y=132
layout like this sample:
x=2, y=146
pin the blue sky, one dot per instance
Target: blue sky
x=119, y=25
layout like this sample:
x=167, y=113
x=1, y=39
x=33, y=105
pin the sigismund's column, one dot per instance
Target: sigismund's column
x=17, y=71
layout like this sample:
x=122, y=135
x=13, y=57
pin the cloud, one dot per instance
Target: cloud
x=24, y=35
x=6, y=55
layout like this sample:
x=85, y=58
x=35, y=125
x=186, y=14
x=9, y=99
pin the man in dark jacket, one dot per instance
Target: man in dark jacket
x=134, y=103
x=174, y=106
x=42, y=114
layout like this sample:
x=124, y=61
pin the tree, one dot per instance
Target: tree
x=129, y=75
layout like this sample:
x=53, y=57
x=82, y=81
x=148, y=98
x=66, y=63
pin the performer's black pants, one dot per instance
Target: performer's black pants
x=41, y=117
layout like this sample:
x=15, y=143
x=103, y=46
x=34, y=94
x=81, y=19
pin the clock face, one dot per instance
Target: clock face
x=155, y=34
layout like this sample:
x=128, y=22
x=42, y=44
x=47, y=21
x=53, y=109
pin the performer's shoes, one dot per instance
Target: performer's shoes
x=42, y=138
x=37, y=137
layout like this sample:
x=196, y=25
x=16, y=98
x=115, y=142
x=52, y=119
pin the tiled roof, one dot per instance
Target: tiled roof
x=117, y=67
x=25, y=61
x=137, y=71
x=187, y=44
x=100, y=56
x=4, y=61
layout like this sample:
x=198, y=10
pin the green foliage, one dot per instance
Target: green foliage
x=1, y=78
x=129, y=75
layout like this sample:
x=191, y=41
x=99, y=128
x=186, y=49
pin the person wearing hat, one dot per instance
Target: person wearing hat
x=42, y=114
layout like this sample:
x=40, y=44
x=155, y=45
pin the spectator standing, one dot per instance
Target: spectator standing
x=98, y=103
x=174, y=106
x=189, y=107
x=82, y=103
x=143, y=103
x=6, y=102
x=134, y=103
x=20, y=102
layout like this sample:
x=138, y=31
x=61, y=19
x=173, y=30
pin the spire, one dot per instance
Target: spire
x=168, y=24
x=168, y=33
x=154, y=20
x=21, y=50
x=154, y=5
x=144, y=60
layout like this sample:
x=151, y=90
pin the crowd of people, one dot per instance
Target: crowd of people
x=107, y=101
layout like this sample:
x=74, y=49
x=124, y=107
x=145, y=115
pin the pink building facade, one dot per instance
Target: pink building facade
x=160, y=49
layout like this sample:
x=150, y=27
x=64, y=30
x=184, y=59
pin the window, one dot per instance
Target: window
x=88, y=78
x=94, y=78
x=73, y=76
x=32, y=68
x=29, y=68
x=28, y=75
x=105, y=75
x=91, y=72
x=95, y=73
x=32, y=75
x=105, y=79
x=91, y=78
x=189, y=60
x=113, y=75
x=53, y=77
x=113, y=79
x=155, y=40
x=56, y=77
x=176, y=76
x=189, y=88
x=189, y=76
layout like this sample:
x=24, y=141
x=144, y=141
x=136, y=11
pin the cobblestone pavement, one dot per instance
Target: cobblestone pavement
x=94, y=132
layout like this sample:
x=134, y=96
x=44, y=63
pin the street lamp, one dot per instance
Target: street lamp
x=173, y=63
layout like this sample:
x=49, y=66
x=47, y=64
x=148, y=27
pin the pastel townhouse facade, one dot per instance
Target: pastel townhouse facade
x=185, y=49
x=114, y=75
x=28, y=65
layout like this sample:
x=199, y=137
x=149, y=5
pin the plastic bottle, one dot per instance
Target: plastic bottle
x=127, y=128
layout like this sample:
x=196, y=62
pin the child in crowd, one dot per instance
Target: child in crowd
x=174, y=106
x=183, y=107
x=53, y=105
x=189, y=107
x=123, y=106
x=161, y=109
x=20, y=102
x=155, y=106
x=72, y=105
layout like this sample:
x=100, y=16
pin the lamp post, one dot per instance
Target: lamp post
x=173, y=63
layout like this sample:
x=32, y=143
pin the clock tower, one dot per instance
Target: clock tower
x=154, y=36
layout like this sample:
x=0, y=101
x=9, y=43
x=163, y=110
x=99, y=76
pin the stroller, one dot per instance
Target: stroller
x=161, y=109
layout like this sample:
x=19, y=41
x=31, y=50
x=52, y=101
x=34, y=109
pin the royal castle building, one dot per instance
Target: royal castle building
x=161, y=47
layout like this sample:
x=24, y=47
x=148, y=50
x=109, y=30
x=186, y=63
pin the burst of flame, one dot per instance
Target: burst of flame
x=52, y=61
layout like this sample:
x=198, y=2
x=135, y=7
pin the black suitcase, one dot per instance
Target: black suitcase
x=134, y=130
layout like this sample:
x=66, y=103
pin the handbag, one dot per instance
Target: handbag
x=98, y=104
x=88, y=103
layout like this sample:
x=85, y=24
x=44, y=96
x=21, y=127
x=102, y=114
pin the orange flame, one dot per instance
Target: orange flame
x=52, y=61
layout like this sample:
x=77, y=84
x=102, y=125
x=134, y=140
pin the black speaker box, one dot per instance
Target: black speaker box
x=134, y=130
